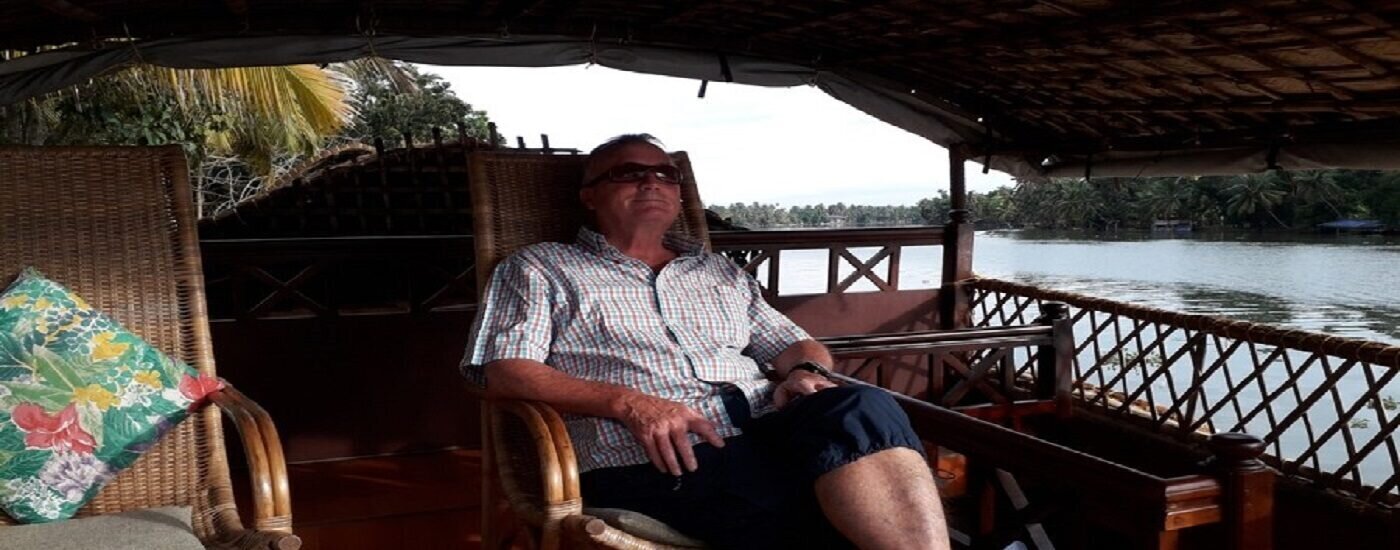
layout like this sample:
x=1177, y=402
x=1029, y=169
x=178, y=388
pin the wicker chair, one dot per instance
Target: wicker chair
x=117, y=225
x=520, y=199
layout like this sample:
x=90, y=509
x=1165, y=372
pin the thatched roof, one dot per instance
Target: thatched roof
x=1223, y=86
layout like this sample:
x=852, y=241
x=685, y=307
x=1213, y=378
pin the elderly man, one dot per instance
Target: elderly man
x=652, y=348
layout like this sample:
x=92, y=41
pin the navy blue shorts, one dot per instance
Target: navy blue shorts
x=757, y=491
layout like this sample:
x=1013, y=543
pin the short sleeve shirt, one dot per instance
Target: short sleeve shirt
x=684, y=333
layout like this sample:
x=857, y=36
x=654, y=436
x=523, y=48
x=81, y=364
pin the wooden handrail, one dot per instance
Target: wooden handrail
x=800, y=239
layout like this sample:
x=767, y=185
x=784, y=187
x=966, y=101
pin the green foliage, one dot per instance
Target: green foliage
x=1298, y=200
x=108, y=112
x=396, y=98
x=760, y=216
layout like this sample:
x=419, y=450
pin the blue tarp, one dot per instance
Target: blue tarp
x=1353, y=225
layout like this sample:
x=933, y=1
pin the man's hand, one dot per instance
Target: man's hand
x=799, y=383
x=663, y=427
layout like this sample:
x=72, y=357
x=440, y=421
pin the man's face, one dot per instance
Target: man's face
x=628, y=205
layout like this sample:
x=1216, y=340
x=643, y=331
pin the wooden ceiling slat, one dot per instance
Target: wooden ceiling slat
x=1263, y=60
x=1364, y=15
x=1377, y=67
x=237, y=7
x=1375, y=106
x=819, y=16
x=69, y=10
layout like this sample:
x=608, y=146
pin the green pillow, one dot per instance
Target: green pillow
x=80, y=399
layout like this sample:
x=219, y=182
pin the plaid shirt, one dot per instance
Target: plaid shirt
x=683, y=334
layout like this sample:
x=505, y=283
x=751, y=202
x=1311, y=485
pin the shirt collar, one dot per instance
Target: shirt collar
x=596, y=243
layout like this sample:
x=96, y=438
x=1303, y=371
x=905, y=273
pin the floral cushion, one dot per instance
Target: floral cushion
x=80, y=399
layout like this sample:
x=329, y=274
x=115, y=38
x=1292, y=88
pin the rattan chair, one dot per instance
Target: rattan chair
x=520, y=199
x=117, y=225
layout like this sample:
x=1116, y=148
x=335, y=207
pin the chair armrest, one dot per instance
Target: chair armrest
x=535, y=459
x=267, y=467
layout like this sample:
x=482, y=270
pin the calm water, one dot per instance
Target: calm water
x=1348, y=286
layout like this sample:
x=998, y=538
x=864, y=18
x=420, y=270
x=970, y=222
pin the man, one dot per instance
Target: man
x=652, y=348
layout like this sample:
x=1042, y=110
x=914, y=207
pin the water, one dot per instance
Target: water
x=1348, y=286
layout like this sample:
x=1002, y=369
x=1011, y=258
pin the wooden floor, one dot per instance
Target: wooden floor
x=421, y=502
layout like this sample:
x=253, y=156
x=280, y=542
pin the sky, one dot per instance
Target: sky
x=791, y=146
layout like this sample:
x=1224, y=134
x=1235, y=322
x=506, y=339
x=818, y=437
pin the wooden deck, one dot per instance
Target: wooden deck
x=421, y=501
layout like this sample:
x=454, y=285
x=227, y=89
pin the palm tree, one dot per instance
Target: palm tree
x=1255, y=194
x=1077, y=203
x=1166, y=198
x=254, y=113
x=1314, y=186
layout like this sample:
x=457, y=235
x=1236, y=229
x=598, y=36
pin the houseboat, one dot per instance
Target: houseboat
x=337, y=307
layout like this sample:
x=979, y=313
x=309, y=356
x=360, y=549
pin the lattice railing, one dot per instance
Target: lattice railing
x=300, y=278
x=1328, y=407
x=760, y=252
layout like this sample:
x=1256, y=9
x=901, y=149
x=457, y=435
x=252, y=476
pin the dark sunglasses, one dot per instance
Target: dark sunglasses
x=630, y=172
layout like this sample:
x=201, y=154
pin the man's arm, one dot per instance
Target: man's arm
x=660, y=425
x=798, y=383
x=801, y=352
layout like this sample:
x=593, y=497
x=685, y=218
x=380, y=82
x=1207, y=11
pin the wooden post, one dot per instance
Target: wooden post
x=1055, y=362
x=957, y=249
x=1249, y=490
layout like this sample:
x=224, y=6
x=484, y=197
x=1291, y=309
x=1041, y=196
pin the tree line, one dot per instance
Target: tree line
x=1271, y=200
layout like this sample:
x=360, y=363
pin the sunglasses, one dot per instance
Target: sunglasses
x=630, y=172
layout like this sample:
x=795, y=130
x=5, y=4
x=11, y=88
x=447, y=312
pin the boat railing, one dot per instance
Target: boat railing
x=1325, y=406
x=760, y=253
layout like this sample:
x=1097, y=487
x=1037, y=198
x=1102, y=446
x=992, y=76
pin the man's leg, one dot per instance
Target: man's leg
x=885, y=500
x=856, y=445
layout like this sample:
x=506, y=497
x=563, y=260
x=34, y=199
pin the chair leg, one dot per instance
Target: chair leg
x=488, y=484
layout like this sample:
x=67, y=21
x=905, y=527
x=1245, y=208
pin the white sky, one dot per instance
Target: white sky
x=792, y=146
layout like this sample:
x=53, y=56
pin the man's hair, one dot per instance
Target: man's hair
x=618, y=142
x=615, y=143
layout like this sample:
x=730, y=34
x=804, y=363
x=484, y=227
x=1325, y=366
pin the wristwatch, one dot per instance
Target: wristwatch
x=812, y=367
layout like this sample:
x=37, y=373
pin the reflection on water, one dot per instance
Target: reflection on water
x=1341, y=285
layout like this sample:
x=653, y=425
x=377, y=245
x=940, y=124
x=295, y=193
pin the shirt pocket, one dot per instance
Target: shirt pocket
x=715, y=314
x=625, y=317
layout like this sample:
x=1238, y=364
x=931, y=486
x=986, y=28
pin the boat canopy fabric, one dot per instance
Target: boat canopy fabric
x=1039, y=88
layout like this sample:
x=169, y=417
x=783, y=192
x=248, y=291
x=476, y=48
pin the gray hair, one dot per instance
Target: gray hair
x=616, y=143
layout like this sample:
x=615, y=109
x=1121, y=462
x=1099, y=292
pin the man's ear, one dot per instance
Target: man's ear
x=585, y=196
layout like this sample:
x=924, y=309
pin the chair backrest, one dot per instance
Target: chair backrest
x=520, y=199
x=117, y=226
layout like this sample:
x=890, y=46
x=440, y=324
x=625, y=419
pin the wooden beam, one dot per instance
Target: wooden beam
x=1261, y=58
x=69, y=10
x=1377, y=67
x=816, y=17
x=957, y=178
x=679, y=10
x=1364, y=15
x=1359, y=106
x=1015, y=37
x=237, y=7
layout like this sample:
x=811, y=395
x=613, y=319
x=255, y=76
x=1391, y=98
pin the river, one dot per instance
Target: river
x=1348, y=285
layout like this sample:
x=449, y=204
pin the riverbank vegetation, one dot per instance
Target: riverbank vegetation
x=1270, y=201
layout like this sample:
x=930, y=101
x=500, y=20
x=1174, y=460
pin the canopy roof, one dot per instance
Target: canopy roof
x=1036, y=87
